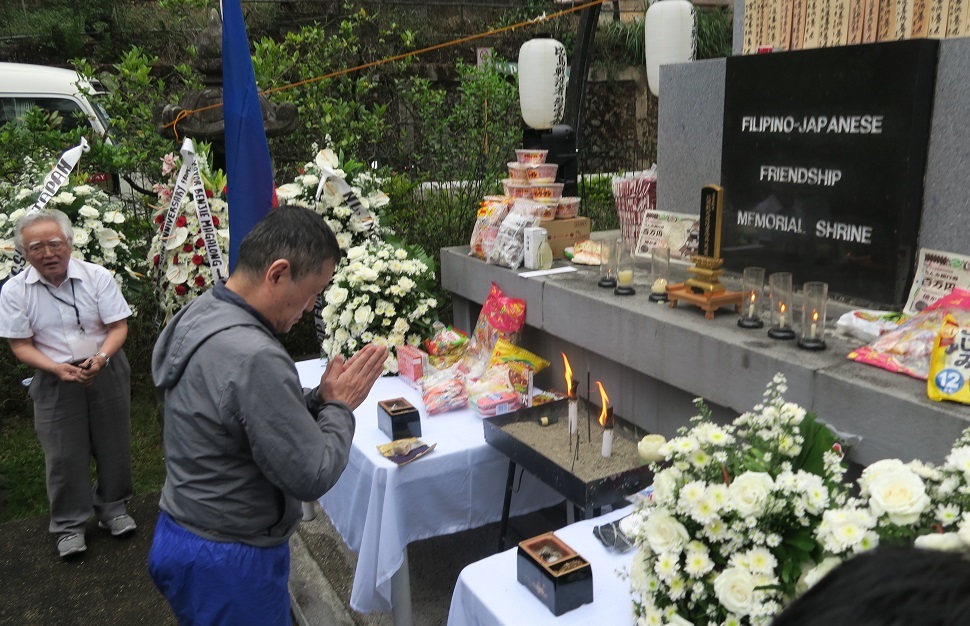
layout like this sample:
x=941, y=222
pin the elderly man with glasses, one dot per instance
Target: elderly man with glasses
x=67, y=318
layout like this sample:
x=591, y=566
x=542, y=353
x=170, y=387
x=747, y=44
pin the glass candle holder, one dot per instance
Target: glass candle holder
x=625, y=270
x=779, y=284
x=752, y=293
x=608, y=267
x=815, y=298
x=659, y=272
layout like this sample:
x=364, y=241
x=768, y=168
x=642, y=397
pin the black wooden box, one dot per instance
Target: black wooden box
x=398, y=419
x=554, y=573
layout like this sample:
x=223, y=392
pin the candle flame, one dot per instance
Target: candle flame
x=752, y=297
x=604, y=400
x=782, y=307
x=814, y=316
x=569, y=375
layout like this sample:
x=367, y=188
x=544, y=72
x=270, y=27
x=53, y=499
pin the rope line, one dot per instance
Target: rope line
x=187, y=112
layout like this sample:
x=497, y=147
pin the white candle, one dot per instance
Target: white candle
x=607, y=450
x=813, y=331
x=781, y=315
x=751, y=308
x=625, y=278
x=573, y=416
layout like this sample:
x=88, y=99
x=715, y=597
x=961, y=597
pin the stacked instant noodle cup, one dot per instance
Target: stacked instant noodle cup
x=532, y=178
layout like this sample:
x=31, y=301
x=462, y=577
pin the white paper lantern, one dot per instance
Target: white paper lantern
x=670, y=31
x=542, y=82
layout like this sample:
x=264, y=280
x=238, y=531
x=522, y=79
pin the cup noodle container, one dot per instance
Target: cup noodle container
x=517, y=189
x=568, y=207
x=519, y=172
x=547, y=191
x=542, y=173
x=531, y=156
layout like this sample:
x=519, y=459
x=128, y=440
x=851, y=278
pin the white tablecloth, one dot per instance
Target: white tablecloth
x=379, y=508
x=488, y=594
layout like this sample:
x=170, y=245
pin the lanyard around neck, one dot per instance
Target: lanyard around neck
x=73, y=305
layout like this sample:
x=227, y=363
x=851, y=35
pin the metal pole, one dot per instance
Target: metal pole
x=579, y=69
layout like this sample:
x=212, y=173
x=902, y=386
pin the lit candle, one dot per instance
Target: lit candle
x=624, y=278
x=607, y=450
x=751, y=306
x=813, y=331
x=781, y=315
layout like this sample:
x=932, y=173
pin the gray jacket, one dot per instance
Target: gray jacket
x=244, y=442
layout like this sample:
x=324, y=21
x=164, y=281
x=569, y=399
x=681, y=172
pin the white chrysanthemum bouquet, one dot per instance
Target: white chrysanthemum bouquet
x=381, y=293
x=730, y=531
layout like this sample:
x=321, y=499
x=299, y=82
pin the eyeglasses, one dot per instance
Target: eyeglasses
x=54, y=245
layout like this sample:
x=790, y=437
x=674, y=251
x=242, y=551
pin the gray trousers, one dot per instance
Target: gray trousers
x=75, y=423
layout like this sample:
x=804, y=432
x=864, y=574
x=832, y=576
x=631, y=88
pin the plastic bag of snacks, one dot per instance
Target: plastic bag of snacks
x=491, y=212
x=869, y=325
x=446, y=346
x=501, y=317
x=443, y=391
x=493, y=394
x=522, y=365
x=907, y=349
x=949, y=377
x=509, y=248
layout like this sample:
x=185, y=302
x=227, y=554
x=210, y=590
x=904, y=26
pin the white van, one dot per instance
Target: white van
x=53, y=89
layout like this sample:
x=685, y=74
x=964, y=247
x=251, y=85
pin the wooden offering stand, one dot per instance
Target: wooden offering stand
x=704, y=290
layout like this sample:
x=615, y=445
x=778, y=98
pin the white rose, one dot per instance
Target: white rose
x=343, y=240
x=88, y=212
x=901, y=495
x=876, y=469
x=748, y=494
x=341, y=336
x=84, y=190
x=735, y=590
x=649, y=448
x=346, y=317
x=817, y=573
x=959, y=459
x=401, y=326
x=65, y=197
x=356, y=253
x=311, y=180
x=946, y=542
x=16, y=215
x=336, y=295
x=664, y=533
x=114, y=217
x=364, y=315
x=23, y=193
x=80, y=236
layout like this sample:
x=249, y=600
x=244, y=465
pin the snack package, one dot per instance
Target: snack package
x=949, y=376
x=446, y=346
x=869, y=325
x=493, y=394
x=522, y=366
x=412, y=364
x=443, y=391
x=491, y=212
x=509, y=248
x=501, y=317
x=907, y=349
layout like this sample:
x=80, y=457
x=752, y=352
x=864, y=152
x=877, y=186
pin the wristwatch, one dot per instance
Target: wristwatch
x=104, y=355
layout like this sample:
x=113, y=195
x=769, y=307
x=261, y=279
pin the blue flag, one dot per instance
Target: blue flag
x=251, y=192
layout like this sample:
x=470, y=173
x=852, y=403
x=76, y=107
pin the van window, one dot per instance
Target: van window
x=69, y=111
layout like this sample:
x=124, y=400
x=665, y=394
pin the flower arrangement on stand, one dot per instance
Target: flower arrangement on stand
x=97, y=217
x=730, y=531
x=381, y=290
x=381, y=294
x=180, y=264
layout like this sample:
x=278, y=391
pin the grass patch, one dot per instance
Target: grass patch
x=22, y=460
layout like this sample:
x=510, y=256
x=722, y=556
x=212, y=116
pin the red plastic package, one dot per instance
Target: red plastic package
x=502, y=317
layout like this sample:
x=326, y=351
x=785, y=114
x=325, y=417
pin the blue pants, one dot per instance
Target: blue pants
x=210, y=582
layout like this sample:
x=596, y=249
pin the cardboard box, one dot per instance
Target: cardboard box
x=565, y=233
x=412, y=364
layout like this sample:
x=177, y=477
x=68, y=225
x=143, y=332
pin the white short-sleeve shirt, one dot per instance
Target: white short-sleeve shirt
x=31, y=307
